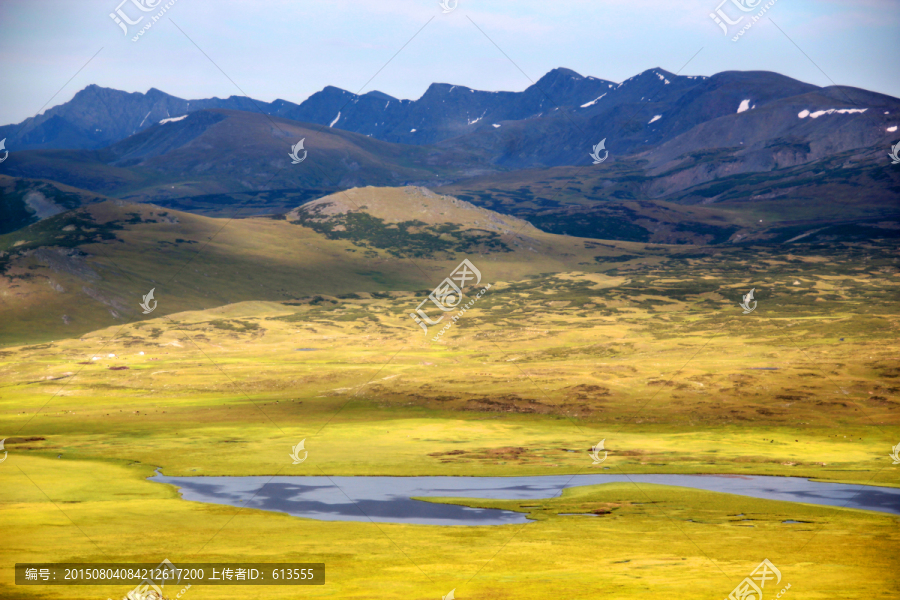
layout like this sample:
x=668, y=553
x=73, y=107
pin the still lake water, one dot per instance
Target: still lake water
x=389, y=499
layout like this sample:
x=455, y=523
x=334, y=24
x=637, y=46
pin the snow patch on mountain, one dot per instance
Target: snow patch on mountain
x=592, y=102
x=478, y=119
x=840, y=111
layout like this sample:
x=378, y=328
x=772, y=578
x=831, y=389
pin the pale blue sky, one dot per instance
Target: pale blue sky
x=292, y=48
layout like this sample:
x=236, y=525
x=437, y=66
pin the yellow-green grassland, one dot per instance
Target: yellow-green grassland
x=576, y=341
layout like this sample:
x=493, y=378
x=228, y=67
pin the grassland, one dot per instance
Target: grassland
x=643, y=346
x=83, y=270
x=649, y=541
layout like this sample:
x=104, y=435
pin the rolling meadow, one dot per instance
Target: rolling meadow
x=642, y=346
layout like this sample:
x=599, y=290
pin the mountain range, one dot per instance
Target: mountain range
x=639, y=114
x=755, y=150
x=97, y=117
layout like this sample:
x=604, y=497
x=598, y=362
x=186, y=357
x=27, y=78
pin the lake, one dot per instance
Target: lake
x=390, y=499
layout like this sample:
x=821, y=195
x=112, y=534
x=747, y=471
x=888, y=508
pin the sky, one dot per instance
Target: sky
x=289, y=49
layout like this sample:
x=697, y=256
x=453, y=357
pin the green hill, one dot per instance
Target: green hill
x=89, y=267
x=27, y=201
